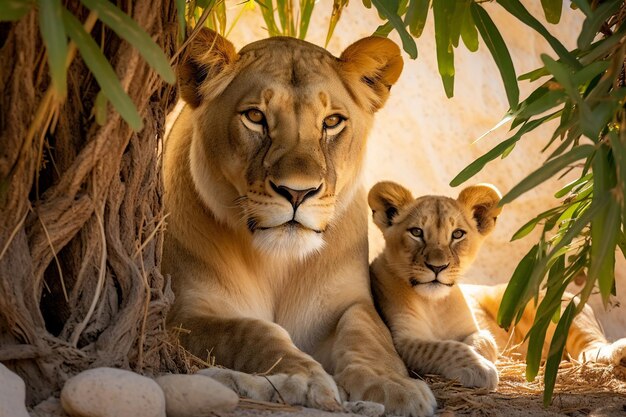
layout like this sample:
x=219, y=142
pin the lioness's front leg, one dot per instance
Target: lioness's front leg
x=255, y=346
x=451, y=359
x=367, y=367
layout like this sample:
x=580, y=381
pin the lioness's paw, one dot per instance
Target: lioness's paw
x=317, y=390
x=611, y=354
x=401, y=396
x=477, y=372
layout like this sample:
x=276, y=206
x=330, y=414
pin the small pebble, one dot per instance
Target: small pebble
x=109, y=392
x=12, y=394
x=195, y=395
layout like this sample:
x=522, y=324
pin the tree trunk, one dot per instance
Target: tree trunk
x=81, y=215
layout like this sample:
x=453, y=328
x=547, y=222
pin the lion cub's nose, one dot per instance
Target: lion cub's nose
x=436, y=268
x=295, y=197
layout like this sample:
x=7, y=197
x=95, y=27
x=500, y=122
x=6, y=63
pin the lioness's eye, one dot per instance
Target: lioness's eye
x=458, y=234
x=416, y=231
x=255, y=116
x=332, y=121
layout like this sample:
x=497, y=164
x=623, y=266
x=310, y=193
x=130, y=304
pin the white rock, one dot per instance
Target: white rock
x=108, y=392
x=195, y=395
x=12, y=394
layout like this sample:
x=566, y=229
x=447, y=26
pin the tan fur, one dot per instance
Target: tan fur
x=264, y=285
x=437, y=325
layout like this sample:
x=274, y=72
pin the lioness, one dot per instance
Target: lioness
x=266, y=240
x=438, y=326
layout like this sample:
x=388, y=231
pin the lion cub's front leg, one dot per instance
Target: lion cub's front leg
x=484, y=343
x=254, y=346
x=451, y=359
x=367, y=367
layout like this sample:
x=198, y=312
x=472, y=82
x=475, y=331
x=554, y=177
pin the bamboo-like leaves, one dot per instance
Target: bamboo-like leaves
x=102, y=71
x=55, y=39
x=14, y=9
x=556, y=351
x=408, y=43
x=416, y=15
x=492, y=38
x=548, y=170
x=442, y=13
x=594, y=21
x=552, y=10
x=127, y=29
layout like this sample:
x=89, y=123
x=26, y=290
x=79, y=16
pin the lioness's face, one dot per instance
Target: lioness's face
x=431, y=241
x=281, y=139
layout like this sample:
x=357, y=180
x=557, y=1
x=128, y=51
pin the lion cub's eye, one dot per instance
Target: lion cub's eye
x=255, y=116
x=416, y=232
x=333, y=124
x=458, y=234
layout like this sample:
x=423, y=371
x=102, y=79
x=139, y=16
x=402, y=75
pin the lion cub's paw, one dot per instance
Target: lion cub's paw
x=401, y=396
x=475, y=371
x=317, y=390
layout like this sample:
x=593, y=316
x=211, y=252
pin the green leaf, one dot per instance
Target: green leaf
x=555, y=353
x=492, y=38
x=460, y=10
x=550, y=305
x=14, y=9
x=180, y=14
x=563, y=75
x=55, y=39
x=519, y=11
x=534, y=74
x=127, y=29
x=552, y=10
x=475, y=167
x=469, y=34
x=442, y=13
x=545, y=102
x=416, y=16
x=618, y=147
x=566, y=189
x=605, y=225
x=530, y=226
x=408, y=43
x=338, y=6
x=267, y=10
x=594, y=21
x=583, y=5
x=306, y=8
x=102, y=71
x=100, y=108
x=515, y=291
x=548, y=170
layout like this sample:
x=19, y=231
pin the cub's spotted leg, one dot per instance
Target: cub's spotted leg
x=257, y=346
x=484, y=343
x=586, y=341
x=451, y=359
x=366, y=366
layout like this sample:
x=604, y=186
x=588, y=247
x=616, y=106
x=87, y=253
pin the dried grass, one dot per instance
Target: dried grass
x=590, y=382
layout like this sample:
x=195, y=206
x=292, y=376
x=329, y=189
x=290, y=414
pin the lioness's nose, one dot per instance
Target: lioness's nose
x=436, y=268
x=295, y=197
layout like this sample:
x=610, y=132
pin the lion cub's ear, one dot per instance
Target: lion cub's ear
x=374, y=64
x=208, y=57
x=386, y=199
x=482, y=201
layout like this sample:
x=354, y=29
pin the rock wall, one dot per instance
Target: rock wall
x=422, y=139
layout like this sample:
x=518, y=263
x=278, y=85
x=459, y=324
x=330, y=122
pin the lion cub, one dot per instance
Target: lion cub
x=441, y=327
x=429, y=243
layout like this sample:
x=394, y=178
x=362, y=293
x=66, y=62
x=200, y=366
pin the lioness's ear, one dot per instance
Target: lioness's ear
x=208, y=57
x=372, y=64
x=386, y=199
x=482, y=201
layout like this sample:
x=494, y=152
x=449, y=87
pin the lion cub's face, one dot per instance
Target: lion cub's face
x=432, y=240
x=280, y=132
